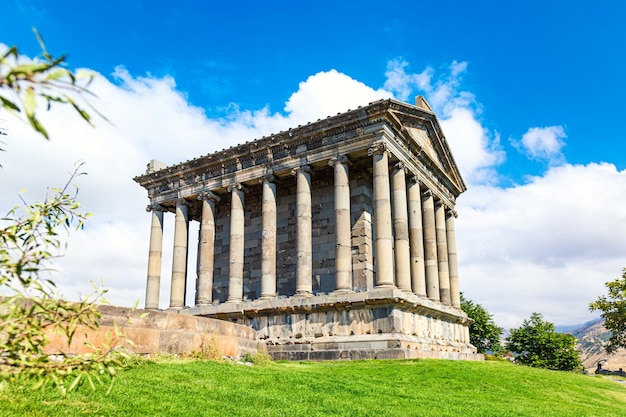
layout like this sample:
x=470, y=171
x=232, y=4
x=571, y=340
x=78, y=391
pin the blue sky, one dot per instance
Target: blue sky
x=530, y=95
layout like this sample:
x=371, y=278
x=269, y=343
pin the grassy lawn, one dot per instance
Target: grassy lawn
x=360, y=388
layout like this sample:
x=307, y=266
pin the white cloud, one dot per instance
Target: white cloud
x=476, y=150
x=328, y=93
x=403, y=84
x=543, y=143
x=547, y=245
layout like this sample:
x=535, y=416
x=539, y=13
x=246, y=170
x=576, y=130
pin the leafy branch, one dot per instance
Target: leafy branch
x=32, y=312
x=23, y=84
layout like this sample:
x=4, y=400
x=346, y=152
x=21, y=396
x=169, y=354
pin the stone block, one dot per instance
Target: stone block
x=173, y=341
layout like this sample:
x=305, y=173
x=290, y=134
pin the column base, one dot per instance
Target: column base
x=267, y=296
x=385, y=286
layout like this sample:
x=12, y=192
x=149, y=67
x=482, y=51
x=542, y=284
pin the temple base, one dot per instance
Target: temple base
x=384, y=323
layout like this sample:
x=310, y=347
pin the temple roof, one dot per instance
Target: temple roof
x=412, y=132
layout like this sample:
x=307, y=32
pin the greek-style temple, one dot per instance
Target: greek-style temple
x=333, y=240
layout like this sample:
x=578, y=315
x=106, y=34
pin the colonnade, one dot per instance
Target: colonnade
x=414, y=243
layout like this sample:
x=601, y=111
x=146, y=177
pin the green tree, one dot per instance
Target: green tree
x=484, y=332
x=537, y=344
x=613, y=307
x=30, y=238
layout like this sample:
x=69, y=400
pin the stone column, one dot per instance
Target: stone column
x=343, y=224
x=455, y=292
x=416, y=238
x=268, y=238
x=237, y=224
x=401, y=228
x=430, y=246
x=206, y=248
x=179, y=260
x=442, y=254
x=153, y=286
x=304, y=243
x=382, y=216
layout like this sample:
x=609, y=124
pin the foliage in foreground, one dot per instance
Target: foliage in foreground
x=536, y=343
x=23, y=83
x=484, y=332
x=31, y=311
x=425, y=388
x=30, y=308
x=613, y=307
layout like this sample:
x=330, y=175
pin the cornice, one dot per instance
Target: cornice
x=296, y=142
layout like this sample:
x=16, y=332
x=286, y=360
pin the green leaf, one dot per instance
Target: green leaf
x=30, y=102
x=75, y=382
x=55, y=75
x=8, y=104
x=34, y=122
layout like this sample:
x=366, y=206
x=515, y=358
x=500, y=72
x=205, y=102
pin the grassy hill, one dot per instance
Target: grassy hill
x=351, y=388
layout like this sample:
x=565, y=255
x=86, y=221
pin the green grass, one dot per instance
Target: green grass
x=360, y=388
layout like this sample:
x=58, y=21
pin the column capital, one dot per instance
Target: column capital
x=208, y=195
x=181, y=201
x=340, y=159
x=154, y=207
x=400, y=166
x=427, y=192
x=453, y=213
x=304, y=168
x=236, y=186
x=414, y=179
x=377, y=148
x=267, y=178
x=441, y=203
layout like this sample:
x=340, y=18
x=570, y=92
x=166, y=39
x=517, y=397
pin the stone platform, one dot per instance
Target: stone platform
x=383, y=323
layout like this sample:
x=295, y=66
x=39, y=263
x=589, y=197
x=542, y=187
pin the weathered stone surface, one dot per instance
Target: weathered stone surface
x=157, y=331
x=388, y=322
x=318, y=242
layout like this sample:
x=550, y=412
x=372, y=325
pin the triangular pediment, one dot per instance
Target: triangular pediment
x=423, y=128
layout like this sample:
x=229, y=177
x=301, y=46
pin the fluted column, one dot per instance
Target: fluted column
x=153, y=285
x=455, y=292
x=343, y=226
x=442, y=254
x=304, y=243
x=268, y=238
x=430, y=246
x=416, y=238
x=401, y=228
x=237, y=224
x=179, y=260
x=382, y=216
x=206, y=248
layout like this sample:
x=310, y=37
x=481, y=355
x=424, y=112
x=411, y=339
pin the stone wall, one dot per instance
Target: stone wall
x=162, y=332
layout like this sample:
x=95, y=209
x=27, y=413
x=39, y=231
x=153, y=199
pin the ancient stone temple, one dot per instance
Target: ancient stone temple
x=332, y=240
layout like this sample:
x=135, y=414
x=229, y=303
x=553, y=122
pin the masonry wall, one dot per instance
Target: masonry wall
x=157, y=331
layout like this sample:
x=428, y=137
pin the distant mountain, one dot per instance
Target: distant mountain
x=591, y=338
